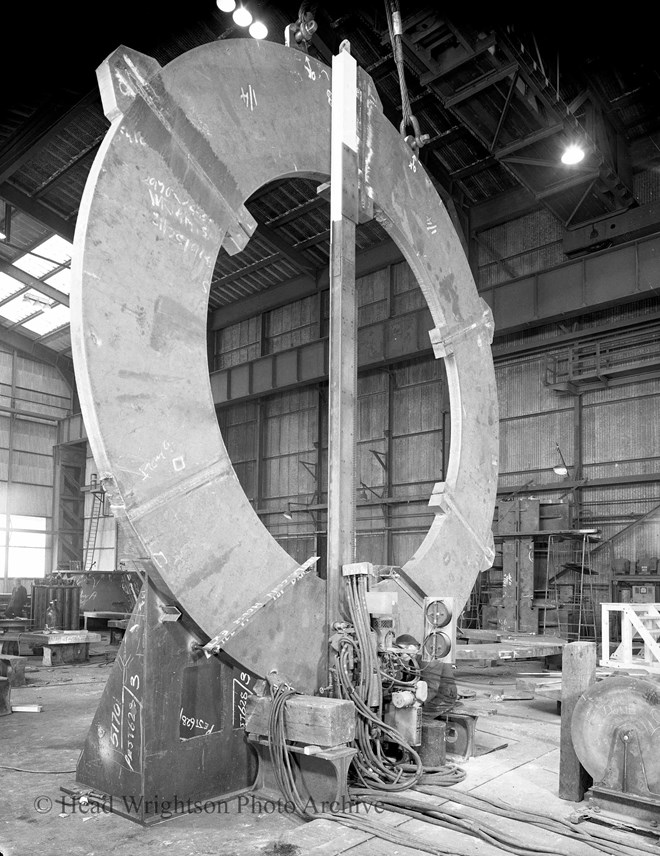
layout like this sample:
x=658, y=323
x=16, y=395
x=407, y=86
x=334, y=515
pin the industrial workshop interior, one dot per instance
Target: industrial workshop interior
x=329, y=430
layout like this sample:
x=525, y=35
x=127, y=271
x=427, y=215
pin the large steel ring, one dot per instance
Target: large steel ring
x=188, y=145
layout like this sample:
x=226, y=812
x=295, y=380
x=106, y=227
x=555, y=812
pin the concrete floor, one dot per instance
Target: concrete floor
x=33, y=820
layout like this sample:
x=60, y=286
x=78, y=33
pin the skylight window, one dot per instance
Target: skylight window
x=17, y=310
x=56, y=317
x=50, y=262
x=8, y=286
x=48, y=256
x=61, y=280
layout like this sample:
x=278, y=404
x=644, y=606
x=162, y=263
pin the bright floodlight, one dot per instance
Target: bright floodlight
x=258, y=30
x=572, y=154
x=242, y=16
x=226, y=5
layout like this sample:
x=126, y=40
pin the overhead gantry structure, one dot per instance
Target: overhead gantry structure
x=188, y=145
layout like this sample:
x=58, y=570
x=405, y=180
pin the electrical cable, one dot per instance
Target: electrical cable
x=359, y=679
x=390, y=834
x=279, y=753
x=556, y=825
x=439, y=777
x=456, y=821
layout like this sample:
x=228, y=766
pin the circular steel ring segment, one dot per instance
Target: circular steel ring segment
x=189, y=143
x=613, y=706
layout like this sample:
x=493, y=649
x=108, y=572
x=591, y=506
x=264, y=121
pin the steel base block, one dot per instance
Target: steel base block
x=460, y=735
x=620, y=806
x=13, y=667
x=321, y=778
x=169, y=726
x=5, y=697
x=61, y=655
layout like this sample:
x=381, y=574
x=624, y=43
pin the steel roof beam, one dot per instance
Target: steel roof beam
x=38, y=131
x=528, y=140
x=479, y=85
x=296, y=258
x=446, y=68
x=42, y=213
x=34, y=283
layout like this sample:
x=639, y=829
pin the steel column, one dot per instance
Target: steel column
x=343, y=328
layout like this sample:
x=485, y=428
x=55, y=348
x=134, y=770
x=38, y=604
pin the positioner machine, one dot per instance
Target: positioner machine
x=226, y=617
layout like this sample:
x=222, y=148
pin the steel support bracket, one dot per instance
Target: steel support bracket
x=445, y=339
x=442, y=502
x=127, y=76
x=169, y=613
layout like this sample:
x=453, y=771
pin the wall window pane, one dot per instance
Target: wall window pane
x=23, y=546
x=27, y=562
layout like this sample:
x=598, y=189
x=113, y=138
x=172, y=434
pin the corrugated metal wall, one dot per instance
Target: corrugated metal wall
x=33, y=396
x=402, y=414
x=533, y=242
x=401, y=418
x=533, y=418
x=617, y=430
x=526, y=245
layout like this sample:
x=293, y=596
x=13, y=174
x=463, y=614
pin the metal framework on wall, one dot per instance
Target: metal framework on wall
x=399, y=415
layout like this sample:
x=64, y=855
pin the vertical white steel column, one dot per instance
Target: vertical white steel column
x=343, y=327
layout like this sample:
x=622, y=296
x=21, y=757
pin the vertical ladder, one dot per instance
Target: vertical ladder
x=92, y=532
x=587, y=607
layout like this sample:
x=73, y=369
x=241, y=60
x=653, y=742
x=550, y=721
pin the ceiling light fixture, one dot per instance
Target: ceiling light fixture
x=37, y=300
x=242, y=16
x=226, y=5
x=573, y=154
x=561, y=469
x=2, y=235
x=258, y=30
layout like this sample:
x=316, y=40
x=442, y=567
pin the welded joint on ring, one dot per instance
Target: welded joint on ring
x=121, y=77
x=214, y=645
x=239, y=232
x=125, y=75
x=442, y=502
x=445, y=338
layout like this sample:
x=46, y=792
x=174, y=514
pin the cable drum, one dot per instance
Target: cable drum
x=609, y=709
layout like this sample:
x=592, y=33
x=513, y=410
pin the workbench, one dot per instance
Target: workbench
x=104, y=616
x=59, y=647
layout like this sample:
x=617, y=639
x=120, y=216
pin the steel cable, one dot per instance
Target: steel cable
x=394, y=26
